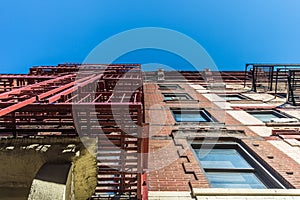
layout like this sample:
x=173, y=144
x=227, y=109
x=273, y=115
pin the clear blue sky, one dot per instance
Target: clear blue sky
x=234, y=32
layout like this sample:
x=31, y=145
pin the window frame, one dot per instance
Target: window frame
x=203, y=113
x=257, y=169
x=270, y=111
x=169, y=87
x=242, y=97
x=188, y=97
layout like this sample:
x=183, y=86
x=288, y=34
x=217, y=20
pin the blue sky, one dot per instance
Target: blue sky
x=233, y=32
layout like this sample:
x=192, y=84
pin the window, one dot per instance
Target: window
x=266, y=115
x=169, y=87
x=192, y=115
x=232, y=97
x=176, y=97
x=229, y=165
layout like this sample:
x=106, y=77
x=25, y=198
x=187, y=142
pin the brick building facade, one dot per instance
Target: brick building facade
x=195, y=135
x=175, y=168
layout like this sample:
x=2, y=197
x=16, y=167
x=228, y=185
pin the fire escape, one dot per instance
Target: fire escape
x=104, y=102
x=279, y=79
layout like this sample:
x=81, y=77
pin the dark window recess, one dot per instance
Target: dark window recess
x=228, y=165
x=169, y=87
x=192, y=116
x=177, y=97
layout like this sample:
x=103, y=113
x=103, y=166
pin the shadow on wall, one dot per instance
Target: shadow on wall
x=56, y=173
x=50, y=182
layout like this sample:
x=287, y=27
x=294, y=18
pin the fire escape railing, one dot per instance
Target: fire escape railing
x=276, y=78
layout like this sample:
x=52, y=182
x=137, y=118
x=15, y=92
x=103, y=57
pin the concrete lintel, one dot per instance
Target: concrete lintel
x=245, y=192
x=166, y=195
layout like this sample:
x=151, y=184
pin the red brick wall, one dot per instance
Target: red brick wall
x=174, y=167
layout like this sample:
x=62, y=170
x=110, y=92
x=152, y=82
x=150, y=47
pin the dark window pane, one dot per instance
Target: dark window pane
x=169, y=87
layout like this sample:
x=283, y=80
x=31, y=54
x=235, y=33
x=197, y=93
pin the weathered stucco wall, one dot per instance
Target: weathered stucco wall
x=21, y=159
x=85, y=175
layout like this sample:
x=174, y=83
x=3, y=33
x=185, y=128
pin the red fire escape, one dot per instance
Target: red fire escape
x=98, y=101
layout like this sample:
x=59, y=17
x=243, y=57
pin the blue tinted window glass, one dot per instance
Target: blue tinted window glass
x=168, y=98
x=234, y=180
x=221, y=158
x=265, y=117
x=178, y=97
x=232, y=98
x=189, y=117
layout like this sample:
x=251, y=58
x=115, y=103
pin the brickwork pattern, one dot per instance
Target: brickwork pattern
x=185, y=173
